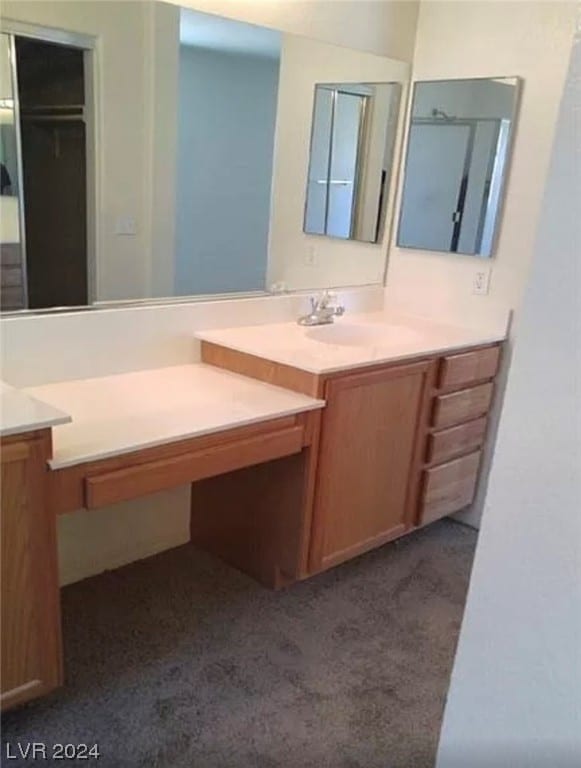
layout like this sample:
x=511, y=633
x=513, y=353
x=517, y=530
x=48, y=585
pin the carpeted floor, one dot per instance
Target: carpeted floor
x=179, y=660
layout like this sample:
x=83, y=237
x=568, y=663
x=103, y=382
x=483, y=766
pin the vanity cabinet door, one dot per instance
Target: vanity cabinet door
x=30, y=631
x=367, y=462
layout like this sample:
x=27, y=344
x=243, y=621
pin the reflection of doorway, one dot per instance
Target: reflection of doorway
x=51, y=89
x=53, y=130
x=435, y=176
x=338, y=130
x=449, y=173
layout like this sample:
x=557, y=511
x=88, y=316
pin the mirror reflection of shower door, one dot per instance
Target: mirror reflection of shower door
x=435, y=172
x=338, y=126
x=345, y=141
x=316, y=208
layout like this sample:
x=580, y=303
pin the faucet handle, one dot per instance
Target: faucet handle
x=325, y=299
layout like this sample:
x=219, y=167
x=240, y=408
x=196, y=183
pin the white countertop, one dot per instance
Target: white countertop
x=357, y=340
x=127, y=412
x=21, y=413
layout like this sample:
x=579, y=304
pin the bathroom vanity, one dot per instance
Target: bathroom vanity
x=303, y=447
x=402, y=433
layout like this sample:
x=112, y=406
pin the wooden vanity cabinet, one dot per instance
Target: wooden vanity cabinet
x=371, y=428
x=400, y=443
x=31, y=659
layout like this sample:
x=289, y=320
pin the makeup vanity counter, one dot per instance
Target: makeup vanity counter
x=20, y=413
x=247, y=449
x=114, y=415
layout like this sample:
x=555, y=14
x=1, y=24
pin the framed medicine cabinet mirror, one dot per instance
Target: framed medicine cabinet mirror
x=456, y=166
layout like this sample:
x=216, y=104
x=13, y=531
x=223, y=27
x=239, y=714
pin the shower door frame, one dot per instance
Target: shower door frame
x=90, y=47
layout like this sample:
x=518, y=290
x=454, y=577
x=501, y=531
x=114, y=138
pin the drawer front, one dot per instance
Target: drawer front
x=449, y=487
x=151, y=477
x=462, y=406
x=451, y=442
x=469, y=367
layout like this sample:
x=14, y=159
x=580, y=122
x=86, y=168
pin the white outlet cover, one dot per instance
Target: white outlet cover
x=125, y=225
x=481, y=281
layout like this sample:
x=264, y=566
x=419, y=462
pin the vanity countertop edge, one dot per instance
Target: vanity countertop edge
x=289, y=344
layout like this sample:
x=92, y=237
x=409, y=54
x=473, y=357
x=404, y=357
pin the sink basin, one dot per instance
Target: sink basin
x=362, y=335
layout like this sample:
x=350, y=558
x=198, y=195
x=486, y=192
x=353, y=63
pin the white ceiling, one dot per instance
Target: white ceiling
x=203, y=30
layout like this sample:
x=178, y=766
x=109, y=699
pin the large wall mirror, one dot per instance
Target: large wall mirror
x=150, y=152
x=456, y=166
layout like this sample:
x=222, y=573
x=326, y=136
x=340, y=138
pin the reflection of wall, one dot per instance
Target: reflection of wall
x=304, y=63
x=227, y=108
x=386, y=28
x=484, y=39
x=380, y=143
x=481, y=98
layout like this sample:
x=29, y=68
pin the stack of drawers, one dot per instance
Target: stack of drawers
x=457, y=430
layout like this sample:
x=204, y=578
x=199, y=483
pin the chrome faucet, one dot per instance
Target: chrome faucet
x=322, y=311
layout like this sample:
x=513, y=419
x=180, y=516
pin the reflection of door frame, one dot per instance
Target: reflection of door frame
x=19, y=172
x=493, y=171
x=458, y=213
x=364, y=100
x=89, y=45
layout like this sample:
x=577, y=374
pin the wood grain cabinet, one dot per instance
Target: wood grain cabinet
x=400, y=445
x=31, y=662
x=370, y=432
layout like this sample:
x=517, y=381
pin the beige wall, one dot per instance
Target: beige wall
x=386, y=28
x=531, y=40
x=298, y=260
x=514, y=695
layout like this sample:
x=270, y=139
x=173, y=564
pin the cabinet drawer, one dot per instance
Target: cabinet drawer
x=462, y=406
x=468, y=367
x=455, y=440
x=449, y=487
x=153, y=476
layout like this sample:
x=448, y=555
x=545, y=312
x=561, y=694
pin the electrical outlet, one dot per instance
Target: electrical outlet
x=481, y=282
x=310, y=256
x=125, y=225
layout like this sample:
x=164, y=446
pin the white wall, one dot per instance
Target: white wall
x=163, y=63
x=304, y=63
x=227, y=112
x=515, y=693
x=386, y=28
x=488, y=39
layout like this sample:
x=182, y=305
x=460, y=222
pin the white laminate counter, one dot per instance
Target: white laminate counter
x=113, y=415
x=392, y=337
x=21, y=413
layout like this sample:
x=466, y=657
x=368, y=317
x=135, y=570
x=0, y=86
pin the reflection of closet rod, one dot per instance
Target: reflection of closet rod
x=53, y=118
x=55, y=108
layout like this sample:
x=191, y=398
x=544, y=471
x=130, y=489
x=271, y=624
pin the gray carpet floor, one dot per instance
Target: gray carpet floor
x=179, y=660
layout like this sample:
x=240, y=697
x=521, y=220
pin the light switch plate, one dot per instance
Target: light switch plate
x=125, y=225
x=481, y=281
x=310, y=256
